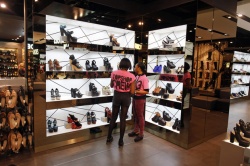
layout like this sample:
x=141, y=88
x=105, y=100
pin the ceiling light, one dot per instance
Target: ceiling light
x=229, y=17
x=219, y=42
x=3, y=5
x=210, y=30
x=231, y=42
x=20, y=36
x=226, y=34
x=102, y=16
x=159, y=19
x=199, y=37
x=137, y=36
x=141, y=23
x=36, y=0
x=194, y=28
x=146, y=35
x=129, y=25
x=12, y=39
x=239, y=15
x=17, y=38
x=190, y=31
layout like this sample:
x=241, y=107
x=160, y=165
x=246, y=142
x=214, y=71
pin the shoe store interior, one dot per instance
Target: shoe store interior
x=56, y=60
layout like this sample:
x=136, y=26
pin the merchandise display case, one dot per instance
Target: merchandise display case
x=8, y=62
x=240, y=75
x=78, y=68
x=165, y=68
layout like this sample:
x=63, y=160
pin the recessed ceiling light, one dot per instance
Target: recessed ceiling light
x=20, y=36
x=146, y=35
x=129, y=25
x=159, y=19
x=3, y=5
x=102, y=16
x=219, y=42
x=17, y=38
x=239, y=15
x=12, y=39
x=209, y=30
x=231, y=42
x=194, y=28
x=226, y=34
x=199, y=37
x=229, y=17
x=137, y=37
x=141, y=23
x=36, y=0
x=190, y=31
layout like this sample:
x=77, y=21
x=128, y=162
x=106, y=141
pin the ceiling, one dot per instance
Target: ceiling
x=106, y=12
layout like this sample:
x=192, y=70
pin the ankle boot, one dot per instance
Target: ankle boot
x=87, y=65
x=215, y=65
x=169, y=88
x=236, y=134
x=209, y=56
x=76, y=66
x=200, y=76
x=71, y=58
x=58, y=96
x=94, y=67
x=207, y=66
x=201, y=65
x=73, y=93
x=52, y=94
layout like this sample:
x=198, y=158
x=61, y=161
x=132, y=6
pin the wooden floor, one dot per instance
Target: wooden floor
x=152, y=151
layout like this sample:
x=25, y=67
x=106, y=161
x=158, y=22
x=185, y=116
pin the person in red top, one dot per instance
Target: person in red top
x=139, y=100
x=123, y=83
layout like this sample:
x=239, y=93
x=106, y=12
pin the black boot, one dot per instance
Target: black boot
x=202, y=64
x=209, y=56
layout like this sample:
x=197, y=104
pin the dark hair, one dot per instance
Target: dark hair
x=125, y=64
x=186, y=66
x=142, y=66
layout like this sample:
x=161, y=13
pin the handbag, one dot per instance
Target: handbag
x=106, y=90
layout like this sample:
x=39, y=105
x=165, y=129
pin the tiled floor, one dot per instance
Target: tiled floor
x=152, y=151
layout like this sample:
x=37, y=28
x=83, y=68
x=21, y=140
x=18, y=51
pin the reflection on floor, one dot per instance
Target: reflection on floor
x=151, y=151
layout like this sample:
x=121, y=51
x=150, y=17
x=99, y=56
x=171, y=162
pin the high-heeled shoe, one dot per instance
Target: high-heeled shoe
x=109, y=140
x=156, y=117
x=243, y=128
x=166, y=69
x=169, y=88
x=55, y=127
x=52, y=94
x=120, y=143
x=236, y=134
x=170, y=64
x=51, y=65
x=76, y=66
x=108, y=114
x=107, y=64
x=76, y=125
x=166, y=116
x=93, y=118
x=58, y=96
x=94, y=67
x=57, y=65
x=71, y=118
x=87, y=65
x=88, y=118
x=49, y=126
x=70, y=38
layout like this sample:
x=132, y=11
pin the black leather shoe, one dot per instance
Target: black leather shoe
x=87, y=65
x=161, y=121
x=170, y=64
x=175, y=124
x=109, y=140
x=242, y=142
x=166, y=69
x=138, y=138
x=169, y=88
x=166, y=116
x=132, y=134
x=88, y=118
x=156, y=117
x=120, y=143
x=94, y=67
x=243, y=128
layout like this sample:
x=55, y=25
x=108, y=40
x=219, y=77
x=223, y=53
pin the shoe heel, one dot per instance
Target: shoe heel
x=232, y=136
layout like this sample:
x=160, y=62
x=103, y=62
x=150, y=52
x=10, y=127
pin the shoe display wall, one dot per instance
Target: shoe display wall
x=165, y=68
x=8, y=63
x=78, y=69
x=207, y=66
x=240, y=77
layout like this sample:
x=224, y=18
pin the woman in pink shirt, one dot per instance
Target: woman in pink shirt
x=123, y=83
x=139, y=101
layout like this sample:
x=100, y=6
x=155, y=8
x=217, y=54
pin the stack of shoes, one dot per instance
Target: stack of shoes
x=244, y=128
x=158, y=119
x=91, y=118
x=75, y=124
x=177, y=124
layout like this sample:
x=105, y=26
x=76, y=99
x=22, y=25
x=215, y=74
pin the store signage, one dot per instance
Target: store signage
x=30, y=46
x=35, y=52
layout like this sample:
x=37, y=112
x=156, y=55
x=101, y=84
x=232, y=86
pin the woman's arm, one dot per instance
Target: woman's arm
x=143, y=92
x=132, y=88
x=112, y=83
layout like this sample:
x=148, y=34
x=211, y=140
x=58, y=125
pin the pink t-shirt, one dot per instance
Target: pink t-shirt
x=186, y=76
x=141, y=83
x=122, y=80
